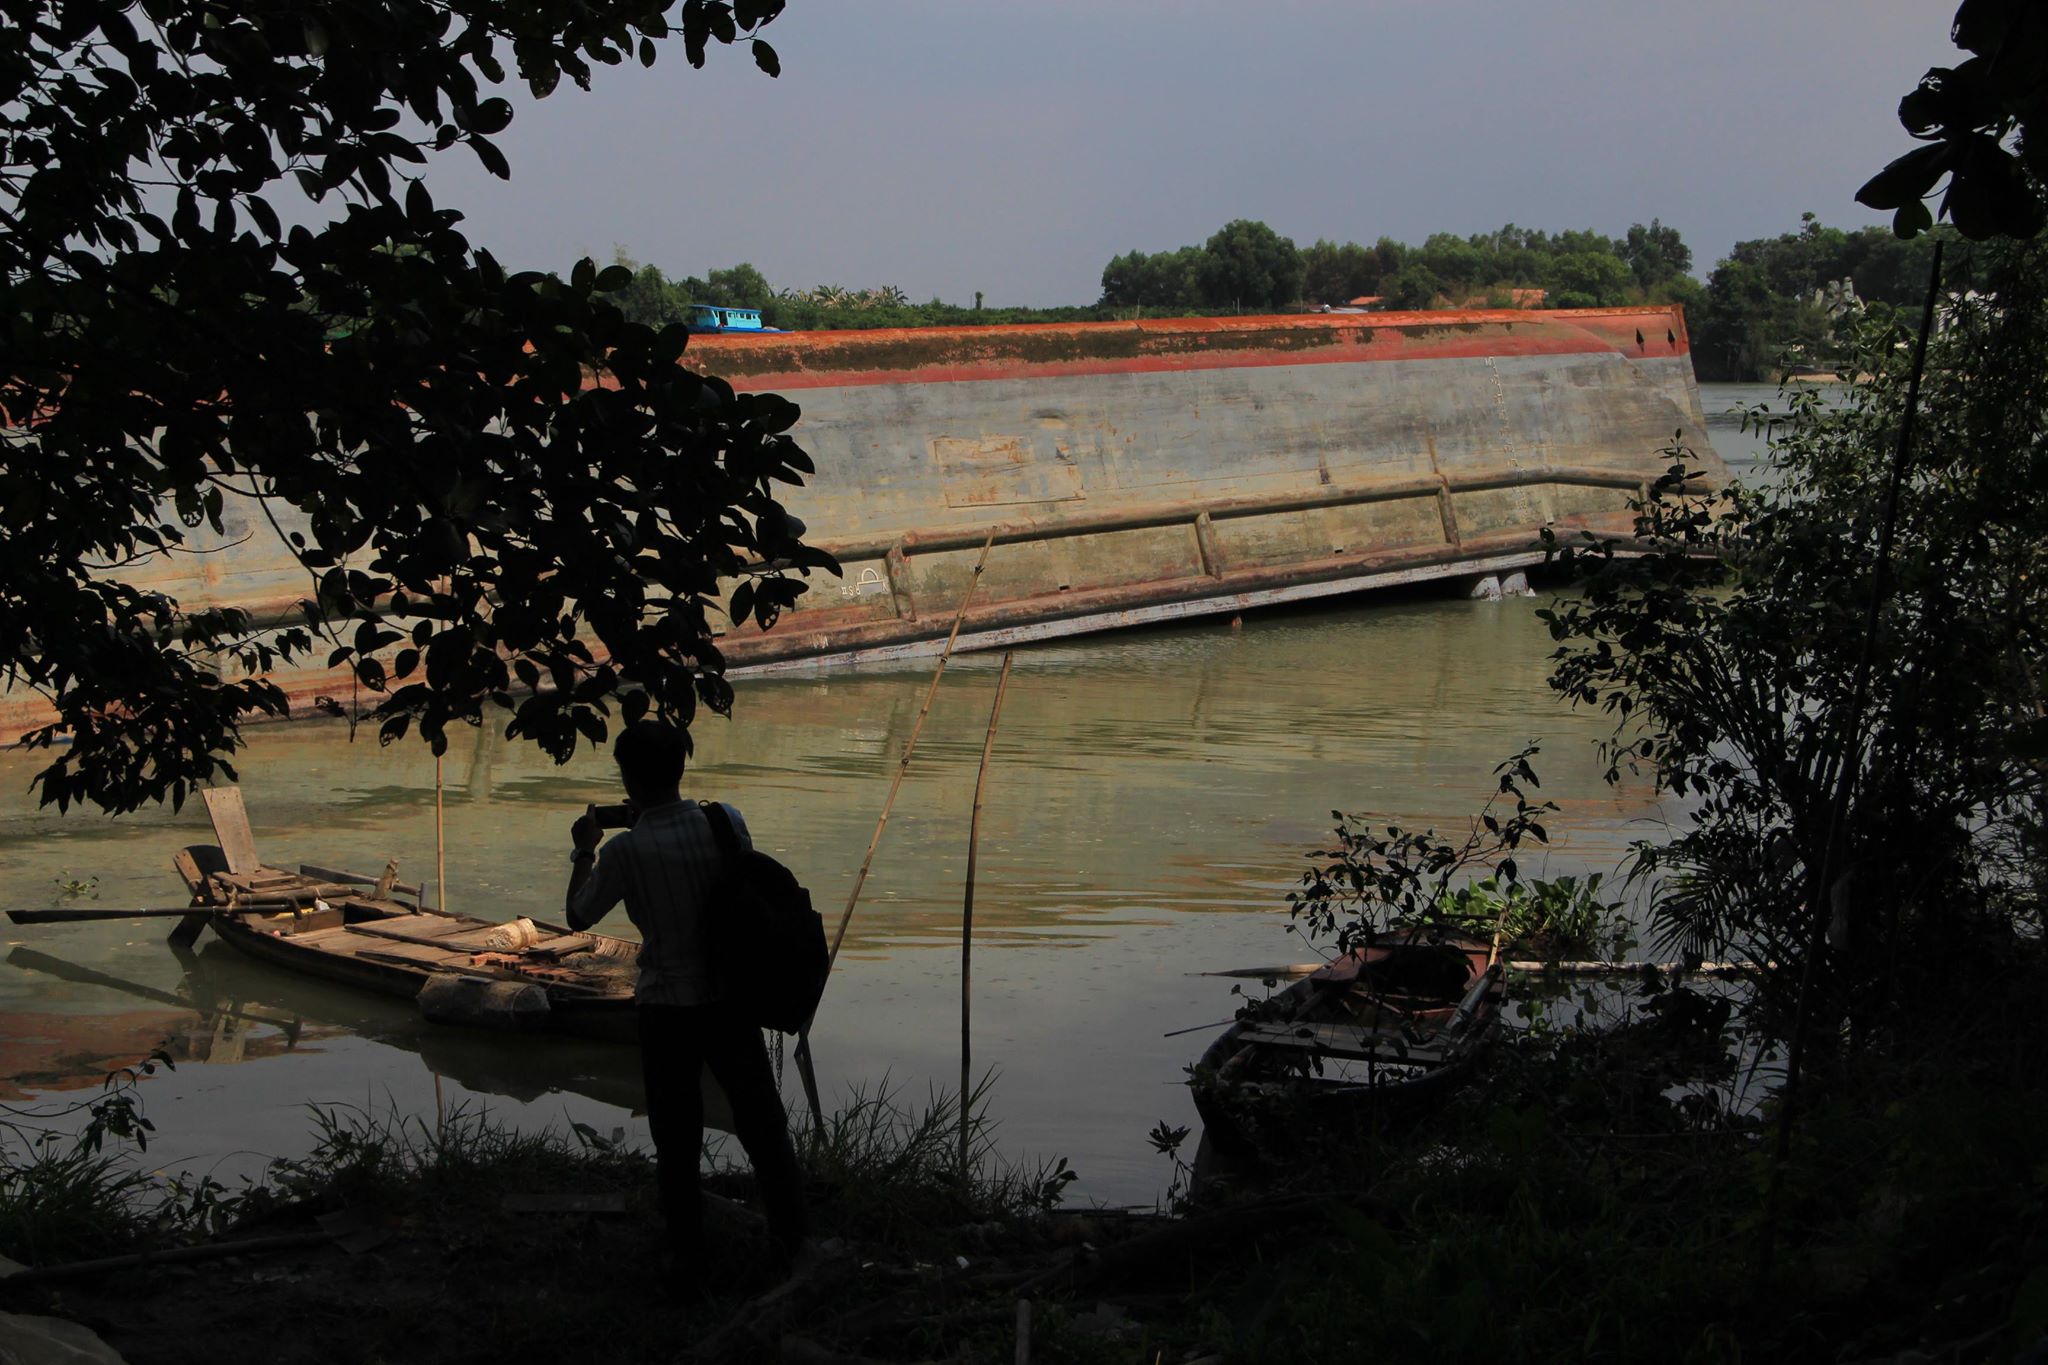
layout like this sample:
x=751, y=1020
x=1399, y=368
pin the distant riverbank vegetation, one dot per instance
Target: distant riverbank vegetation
x=1772, y=306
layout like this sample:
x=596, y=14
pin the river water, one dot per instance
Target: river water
x=1150, y=802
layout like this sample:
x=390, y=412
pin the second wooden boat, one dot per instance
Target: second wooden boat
x=1375, y=1035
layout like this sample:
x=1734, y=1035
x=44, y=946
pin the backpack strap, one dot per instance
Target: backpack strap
x=721, y=827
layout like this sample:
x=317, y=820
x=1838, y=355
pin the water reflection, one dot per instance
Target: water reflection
x=228, y=1010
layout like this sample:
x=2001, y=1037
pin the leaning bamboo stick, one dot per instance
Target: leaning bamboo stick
x=988, y=746
x=903, y=764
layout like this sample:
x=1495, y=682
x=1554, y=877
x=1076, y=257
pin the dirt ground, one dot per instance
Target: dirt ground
x=485, y=1283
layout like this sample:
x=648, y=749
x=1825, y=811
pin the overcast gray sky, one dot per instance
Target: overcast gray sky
x=945, y=146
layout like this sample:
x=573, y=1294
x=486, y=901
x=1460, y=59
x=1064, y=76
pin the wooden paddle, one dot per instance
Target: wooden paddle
x=80, y=914
x=76, y=914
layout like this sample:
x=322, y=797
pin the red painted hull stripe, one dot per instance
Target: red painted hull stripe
x=815, y=360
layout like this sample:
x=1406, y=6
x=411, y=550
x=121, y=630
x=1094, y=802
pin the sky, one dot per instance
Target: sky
x=949, y=146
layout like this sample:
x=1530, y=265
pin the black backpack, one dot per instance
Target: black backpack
x=765, y=942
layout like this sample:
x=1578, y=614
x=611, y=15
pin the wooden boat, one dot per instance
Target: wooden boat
x=358, y=930
x=1378, y=1034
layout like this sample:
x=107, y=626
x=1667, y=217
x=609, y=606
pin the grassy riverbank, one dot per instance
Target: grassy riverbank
x=1581, y=1201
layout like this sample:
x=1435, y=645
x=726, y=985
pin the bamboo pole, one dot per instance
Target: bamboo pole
x=1529, y=967
x=988, y=746
x=440, y=845
x=807, y=1072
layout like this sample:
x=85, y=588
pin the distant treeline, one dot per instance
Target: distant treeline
x=1789, y=302
x=658, y=300
x=1773, y=304
x=1248, y=265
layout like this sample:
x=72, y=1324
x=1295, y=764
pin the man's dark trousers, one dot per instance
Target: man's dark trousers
x=676, y=1043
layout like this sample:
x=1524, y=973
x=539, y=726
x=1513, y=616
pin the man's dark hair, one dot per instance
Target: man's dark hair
x=650, y=753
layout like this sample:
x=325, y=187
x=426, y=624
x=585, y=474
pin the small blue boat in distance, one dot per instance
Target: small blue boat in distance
x=709, y=317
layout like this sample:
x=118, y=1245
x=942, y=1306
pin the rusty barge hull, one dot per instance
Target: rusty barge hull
x=1139, y=472
x=1158, y=470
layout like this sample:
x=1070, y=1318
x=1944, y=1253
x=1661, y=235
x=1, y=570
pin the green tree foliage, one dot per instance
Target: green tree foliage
x=1656, y=254
x=1588, y=279
x=1244, y=265
x=1463, y=267
x=740, y=286
x=648, y=298
x=472, y=513
x=1740, y=331
x=1413, y=286
x=1166, y=280
x=1732, y=677
x=1335, y=274
x=1248, y=265
x=1976, y=123
x=1125, y=278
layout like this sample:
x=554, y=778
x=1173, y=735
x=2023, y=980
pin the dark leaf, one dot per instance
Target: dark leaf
x=265, y=217
x=742, y=604
x=1912, y=219
x=492, y=116
x=493, y=160
x=1909, y=177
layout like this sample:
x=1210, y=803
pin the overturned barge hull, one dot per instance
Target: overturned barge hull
x=1138, y=472
x=1144, y=471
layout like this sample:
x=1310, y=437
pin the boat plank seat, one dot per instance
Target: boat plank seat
x=428, y=926
x=443, y=942
x=1340, y=1040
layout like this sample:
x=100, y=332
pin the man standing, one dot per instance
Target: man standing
x=664, y=868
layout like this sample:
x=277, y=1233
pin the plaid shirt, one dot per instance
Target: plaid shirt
x=663, y=869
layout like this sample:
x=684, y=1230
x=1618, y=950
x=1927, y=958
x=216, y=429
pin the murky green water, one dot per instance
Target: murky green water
x=1150, y=801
